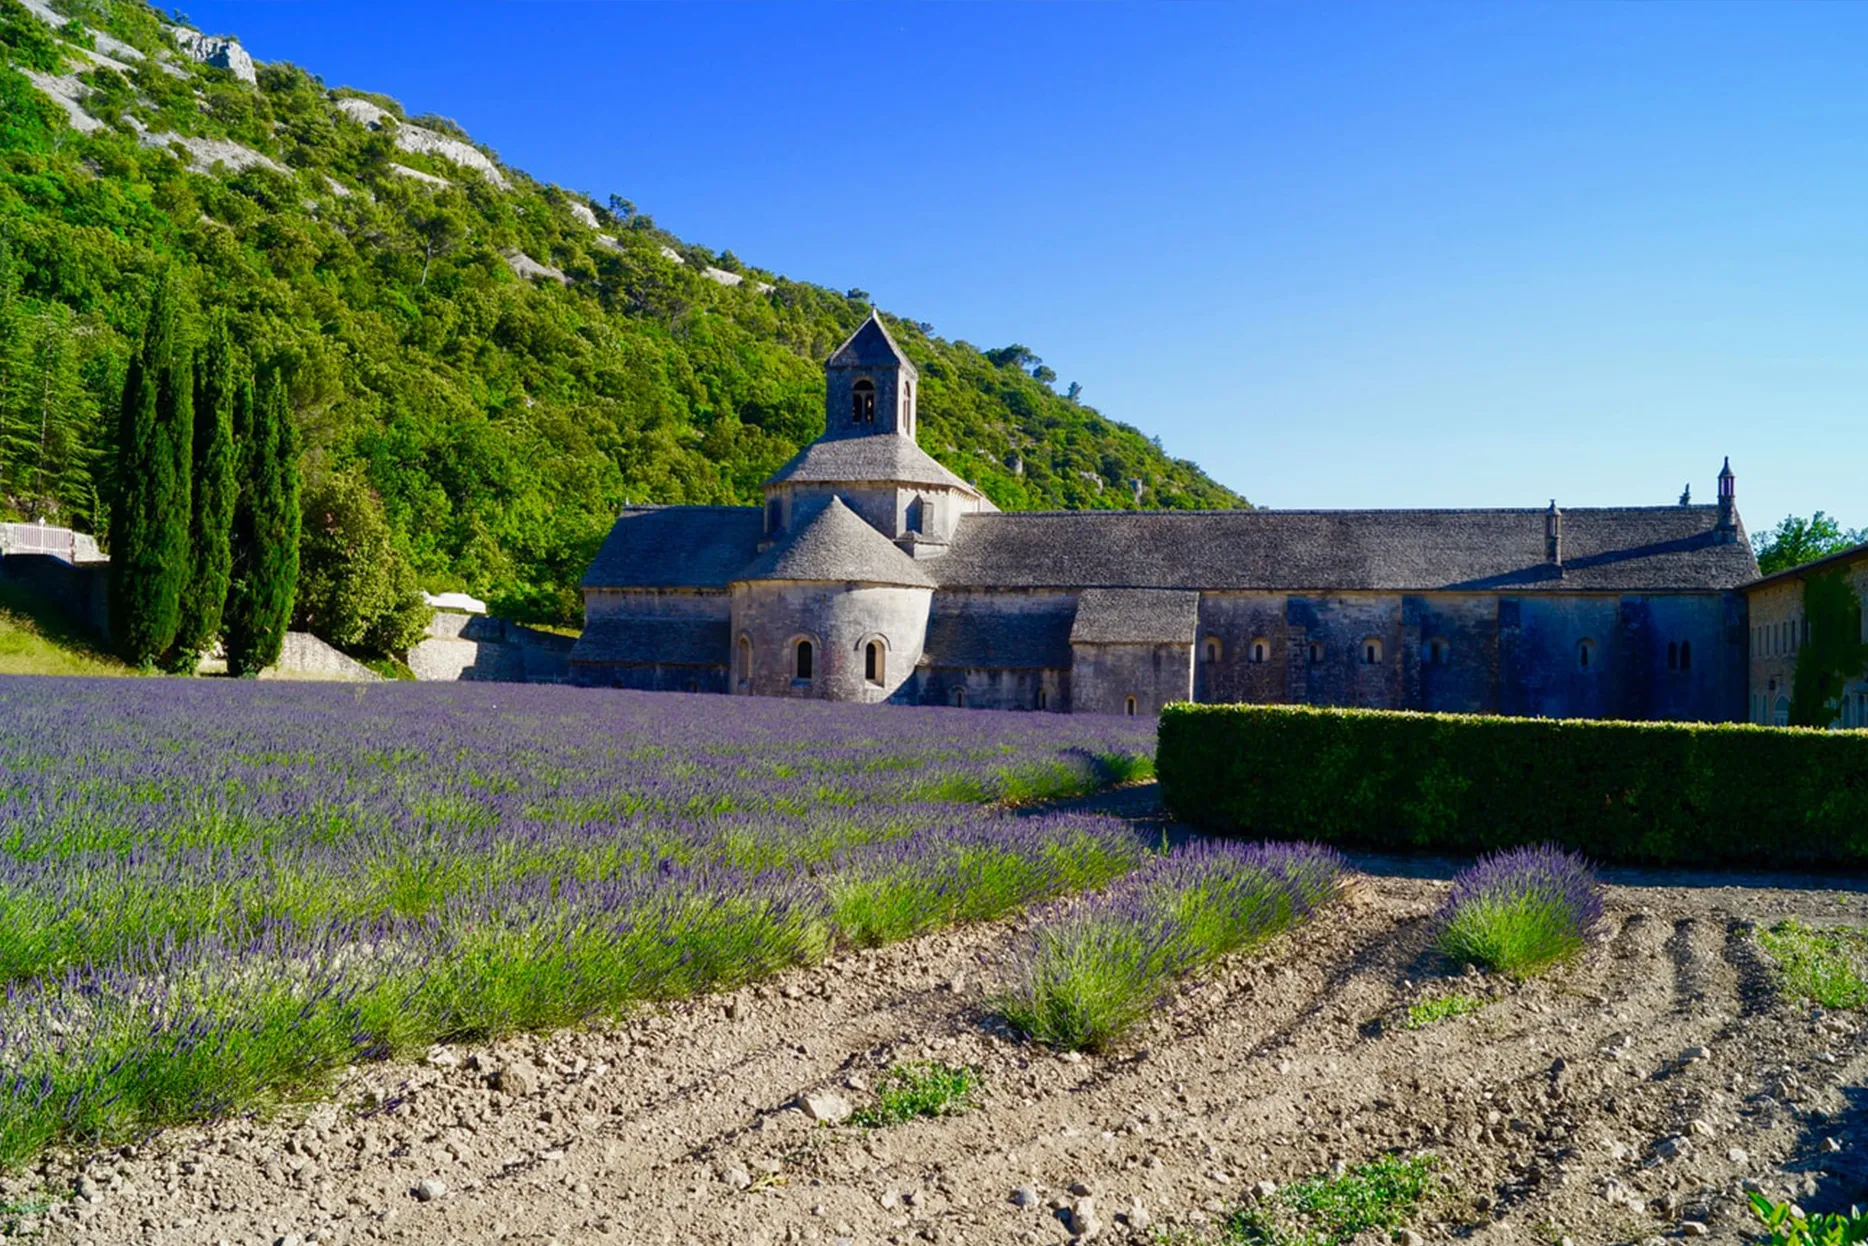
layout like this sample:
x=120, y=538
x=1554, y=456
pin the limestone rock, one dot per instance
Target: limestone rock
x=218, y=50
x=825, y=1107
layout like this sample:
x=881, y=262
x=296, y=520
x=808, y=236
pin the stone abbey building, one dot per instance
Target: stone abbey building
x=872, y=573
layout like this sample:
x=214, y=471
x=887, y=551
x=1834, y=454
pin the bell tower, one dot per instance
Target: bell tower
x=869, y=386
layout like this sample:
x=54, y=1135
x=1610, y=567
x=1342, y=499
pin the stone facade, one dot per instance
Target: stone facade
x=1777, y=631
x=907, y=585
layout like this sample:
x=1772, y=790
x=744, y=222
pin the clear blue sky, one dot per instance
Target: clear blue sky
x=1368, y=255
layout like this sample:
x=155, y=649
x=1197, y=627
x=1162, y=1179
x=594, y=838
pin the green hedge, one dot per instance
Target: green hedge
x=1680, y=793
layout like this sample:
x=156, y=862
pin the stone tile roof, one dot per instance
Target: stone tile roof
x=1127, y=616
x=659, y=641
x=676, y=547
x=879, y=458
x=835, y=543
x=1606, y=549
x=1016, y=639
x=870, y=347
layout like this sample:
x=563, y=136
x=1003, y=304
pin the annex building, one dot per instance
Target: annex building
x=872, y=573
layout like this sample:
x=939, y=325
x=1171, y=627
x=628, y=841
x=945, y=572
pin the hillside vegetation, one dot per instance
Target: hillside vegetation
x=504, y=362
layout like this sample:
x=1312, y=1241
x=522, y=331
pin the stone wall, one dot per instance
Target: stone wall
x=1775, y=634
x=993, y=688
x=1129, y=679
x=839, y=620
x=477, y=647
x=304, y=656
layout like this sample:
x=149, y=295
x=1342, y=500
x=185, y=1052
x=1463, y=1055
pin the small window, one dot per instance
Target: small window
x=1673, y=655
x=1212, y=648
x=959, y=697
x=1371, y=652
x=745, y=661
x=1316, y=653
x=1686, y=655
x=1044, y=700
x=1261, y=650
x=802, y=660
x=1131, y=707
x=1585, y=654
x=872, y=662
x=1436, y=652
x=917, y=517
x=863, y=402
x=772, y=513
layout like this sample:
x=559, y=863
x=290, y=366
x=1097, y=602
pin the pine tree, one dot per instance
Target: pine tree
x=204, y=596
x=149, y=522
x=46, y=413
x=265, y=527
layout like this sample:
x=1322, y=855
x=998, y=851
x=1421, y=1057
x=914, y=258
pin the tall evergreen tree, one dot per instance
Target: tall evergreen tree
x=149, y=522
x=265, y=527
x=210, y=527
x=46, y=413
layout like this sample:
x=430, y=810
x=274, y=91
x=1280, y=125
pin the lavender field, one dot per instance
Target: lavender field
x=215, y=894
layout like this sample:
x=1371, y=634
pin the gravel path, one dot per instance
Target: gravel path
x=1623, y=1098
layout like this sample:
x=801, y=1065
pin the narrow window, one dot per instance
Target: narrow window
x=771, y=516
x=1044, y=700
x=1585, y=653
x=1212, y=648
x=1131, y=707
x=959, y=697
x=1371, y=651
x=1686, y=655
x=1316, y=654
x=863, y=402
x=1260, y=651
x=917, y=515
x=1436, y=652
x=745, y=661
x=872, y=661
x=803, y=667
x=1673, y=655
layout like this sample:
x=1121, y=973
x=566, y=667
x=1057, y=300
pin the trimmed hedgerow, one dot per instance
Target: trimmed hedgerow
x=1682, y=793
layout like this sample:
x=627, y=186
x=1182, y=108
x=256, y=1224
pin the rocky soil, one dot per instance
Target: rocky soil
x=1628, y=1097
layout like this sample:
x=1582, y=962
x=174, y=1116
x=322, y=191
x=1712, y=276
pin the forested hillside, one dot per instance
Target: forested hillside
x=504, y=362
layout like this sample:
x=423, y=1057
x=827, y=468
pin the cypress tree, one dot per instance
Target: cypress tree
x=210, y=528
x=265, y=528
x=149, y=521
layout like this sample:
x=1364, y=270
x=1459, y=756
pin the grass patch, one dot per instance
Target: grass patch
x=1827, y=966
x=1426, y=1012
x=1786, y=1227
x=927, y=1088
x=35, y=639
x=1330, y=1211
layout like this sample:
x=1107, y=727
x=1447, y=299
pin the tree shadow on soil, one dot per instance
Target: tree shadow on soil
x=1841, y=1176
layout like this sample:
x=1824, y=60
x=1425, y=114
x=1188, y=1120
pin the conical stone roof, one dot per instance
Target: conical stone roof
x=836, y=544
x=870, y=347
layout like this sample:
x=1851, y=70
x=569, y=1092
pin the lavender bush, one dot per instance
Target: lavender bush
x=1521, y=910
x=1091, y=975
x=213, y=894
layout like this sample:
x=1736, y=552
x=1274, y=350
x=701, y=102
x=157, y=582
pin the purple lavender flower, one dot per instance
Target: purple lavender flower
x=1521, y=910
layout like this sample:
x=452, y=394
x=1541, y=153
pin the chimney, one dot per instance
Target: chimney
x=1727, y=531
x=1553, y=536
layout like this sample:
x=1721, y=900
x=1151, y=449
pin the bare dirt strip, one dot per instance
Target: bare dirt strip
x=1624, y=1098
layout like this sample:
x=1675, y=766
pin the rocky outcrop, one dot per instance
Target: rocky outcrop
x=586, y=215
x=220, y=51
x=68, y=93
x=424, y=141
x=403, y=170
x=527, y=267
x=205, y=153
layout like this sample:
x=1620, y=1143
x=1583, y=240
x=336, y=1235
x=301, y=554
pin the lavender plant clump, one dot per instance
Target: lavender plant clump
x=213, y=894
x=1089, y=977
x=1521, y=910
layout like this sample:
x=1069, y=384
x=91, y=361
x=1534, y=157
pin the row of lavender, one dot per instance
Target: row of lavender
x=213, y=894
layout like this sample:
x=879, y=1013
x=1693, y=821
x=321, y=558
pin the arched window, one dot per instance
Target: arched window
x=873, y=662
x=1212, y=648
x=1673, y=655
x=1371, y=651
x=1044, y=700
x=959, y=697
x=1316, y=653
x=1686, y=655
x=1261, y=650
x=745, y=660
x=1436, y=652
x=1585, y=654
x=1131, y=707
x=863, y=402
x=802, y=660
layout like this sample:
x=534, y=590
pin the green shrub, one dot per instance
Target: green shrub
x=1682, y=793
x=1790, y=1227
x=919, y=1089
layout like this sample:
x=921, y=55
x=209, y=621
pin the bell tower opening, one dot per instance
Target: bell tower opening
x=863, y=402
